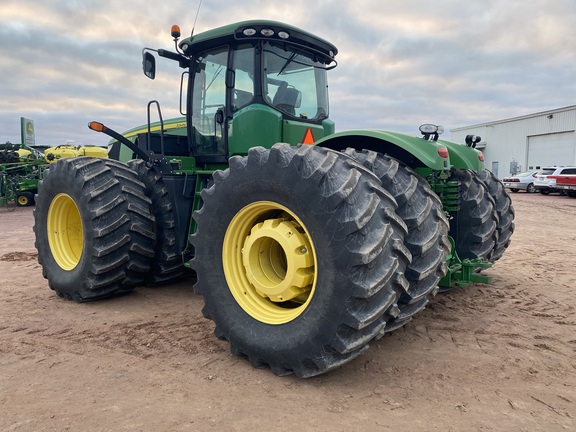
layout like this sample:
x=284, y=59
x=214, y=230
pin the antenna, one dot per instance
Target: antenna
x=194, y=25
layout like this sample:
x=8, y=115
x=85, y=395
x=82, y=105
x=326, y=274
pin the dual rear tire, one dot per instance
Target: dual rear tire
x=427, y=238
x=300, y=258
x=473, y=226
x=103, y=227
x=167, y=264
x=94, y=229
x=303, y=255
x=484, y=225
x=504, y=212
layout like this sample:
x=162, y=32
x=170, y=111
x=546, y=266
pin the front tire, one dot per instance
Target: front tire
x=530, y=188
x=93, y=228
x=300, y=258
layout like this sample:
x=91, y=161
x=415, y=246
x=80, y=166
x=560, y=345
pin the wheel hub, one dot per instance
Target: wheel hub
x=277, y=260
x=269, y=262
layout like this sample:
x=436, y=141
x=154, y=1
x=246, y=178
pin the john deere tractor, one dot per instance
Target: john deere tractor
x=306, y=244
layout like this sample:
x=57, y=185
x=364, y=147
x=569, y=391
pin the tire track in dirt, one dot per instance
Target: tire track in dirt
x=165, y=336
x=19, y=256
x=523, y=321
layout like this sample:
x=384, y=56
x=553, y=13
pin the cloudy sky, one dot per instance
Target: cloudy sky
x=64, y=63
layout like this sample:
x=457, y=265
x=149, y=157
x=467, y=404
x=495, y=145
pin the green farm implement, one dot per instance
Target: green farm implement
x=20, y=171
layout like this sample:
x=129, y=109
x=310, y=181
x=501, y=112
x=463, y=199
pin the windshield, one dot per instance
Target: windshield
x=294, y=82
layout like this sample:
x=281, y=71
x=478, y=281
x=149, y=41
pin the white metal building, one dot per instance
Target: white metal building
x=526, y=142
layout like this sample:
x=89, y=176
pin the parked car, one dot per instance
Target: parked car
x=545, y=181
x=521, y=181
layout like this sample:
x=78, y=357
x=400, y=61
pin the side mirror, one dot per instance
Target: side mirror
x=149, y=64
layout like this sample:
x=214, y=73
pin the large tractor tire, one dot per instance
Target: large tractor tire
x=167, y=264
x=300, y=258
x=473, y=227
x=504, y=212
x=427, y=237
x=94, y=229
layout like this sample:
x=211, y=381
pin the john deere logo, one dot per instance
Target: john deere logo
x=29, y=128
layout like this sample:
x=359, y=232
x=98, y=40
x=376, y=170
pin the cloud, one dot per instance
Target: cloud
x=64, y=63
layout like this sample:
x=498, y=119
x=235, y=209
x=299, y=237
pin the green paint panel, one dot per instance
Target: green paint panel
x=255, y=125
x=295, y=132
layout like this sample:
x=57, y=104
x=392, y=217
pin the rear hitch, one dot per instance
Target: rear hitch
x=462, y=273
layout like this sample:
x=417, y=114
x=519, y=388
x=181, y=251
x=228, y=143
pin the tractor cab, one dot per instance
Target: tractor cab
x=249, y=84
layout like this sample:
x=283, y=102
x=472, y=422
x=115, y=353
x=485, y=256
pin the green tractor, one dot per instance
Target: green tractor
x=305, y=244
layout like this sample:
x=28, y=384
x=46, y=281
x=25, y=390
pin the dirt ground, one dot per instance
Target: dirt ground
x=498, y=357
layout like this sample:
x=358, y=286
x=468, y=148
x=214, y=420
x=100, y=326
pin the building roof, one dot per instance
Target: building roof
x=512, y=119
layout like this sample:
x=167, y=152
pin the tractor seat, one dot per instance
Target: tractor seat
x=241, y=99
x=287, y=100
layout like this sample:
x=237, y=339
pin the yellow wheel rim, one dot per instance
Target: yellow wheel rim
x=65, y=234
x=269, y=262
x=22, y=200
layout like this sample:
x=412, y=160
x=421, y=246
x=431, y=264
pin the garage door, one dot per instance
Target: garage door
x=552, y=149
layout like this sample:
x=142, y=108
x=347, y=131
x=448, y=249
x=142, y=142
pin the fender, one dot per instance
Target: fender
x=463, y=156
x=414, y=151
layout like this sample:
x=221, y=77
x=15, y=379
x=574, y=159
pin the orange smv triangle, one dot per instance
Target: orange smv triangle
x=308, y=137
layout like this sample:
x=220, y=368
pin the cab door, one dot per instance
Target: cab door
x=208, y=107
